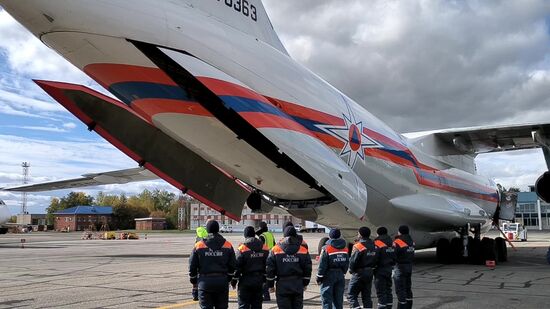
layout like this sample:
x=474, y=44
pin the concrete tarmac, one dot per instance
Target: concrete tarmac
x=59, y=270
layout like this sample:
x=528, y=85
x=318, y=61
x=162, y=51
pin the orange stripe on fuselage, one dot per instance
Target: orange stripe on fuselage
x=108, y=74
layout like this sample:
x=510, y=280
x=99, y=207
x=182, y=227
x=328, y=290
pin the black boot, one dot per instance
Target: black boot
x=409, y=304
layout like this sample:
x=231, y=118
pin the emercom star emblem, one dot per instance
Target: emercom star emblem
x=351, y=133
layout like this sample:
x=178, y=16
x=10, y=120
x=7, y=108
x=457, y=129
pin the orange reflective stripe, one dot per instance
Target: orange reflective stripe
x=380, y=244
x=400, y=243
x=303, y=250
x=331, y=250
x=200, y=245
x=277, y=250
x=227, y=245
x=359, y=246
x=243, y=248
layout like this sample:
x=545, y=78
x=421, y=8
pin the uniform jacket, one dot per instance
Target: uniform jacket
x=251, y=262
x=212, y=256
x=364, y=255
x=334, y=257
x=386, y=251
x=404, y=251
x=289, y=264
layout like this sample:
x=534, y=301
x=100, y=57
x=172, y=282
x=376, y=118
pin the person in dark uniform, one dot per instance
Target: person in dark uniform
x=404, y=256
x=289, y=265
x=250, y=275
x=333, y=265
x=201, y=234
x=269, y=240
x=212, y=267
x=363, y=260
x=300, y=237
x=383, y=271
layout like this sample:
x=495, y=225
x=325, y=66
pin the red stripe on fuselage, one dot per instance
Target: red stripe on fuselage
x=150, y=107
x=108, y=74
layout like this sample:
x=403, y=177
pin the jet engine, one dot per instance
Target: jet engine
x=257, y=203
x=542, y=187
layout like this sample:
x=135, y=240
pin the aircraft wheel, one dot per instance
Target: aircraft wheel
x=474, y=251
x=3, y=230
x=443, y=250
x=457, y=250
x=502, y=250
x=322, y=243
x=488, y=249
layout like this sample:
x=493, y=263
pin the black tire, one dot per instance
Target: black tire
x=443, y=250
x=457, y=251
x=322, y=243
x=488, y=249
x=3, y=230
x=502, y=250
x=474, y=251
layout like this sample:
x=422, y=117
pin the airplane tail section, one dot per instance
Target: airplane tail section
x=248, y=16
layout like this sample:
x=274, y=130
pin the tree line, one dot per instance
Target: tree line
x=156, y=203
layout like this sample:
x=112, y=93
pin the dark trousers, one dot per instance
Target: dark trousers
x=332, y=291
x=290, y=301
x=360, y=283
x=383, y=283
x=213, y=292
x=403, y=287
x=250, y=297
x=267, y=296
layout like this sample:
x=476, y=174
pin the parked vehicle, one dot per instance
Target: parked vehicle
x=514, y=231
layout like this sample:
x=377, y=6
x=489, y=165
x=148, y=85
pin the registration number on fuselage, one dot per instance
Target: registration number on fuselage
x=242, y=6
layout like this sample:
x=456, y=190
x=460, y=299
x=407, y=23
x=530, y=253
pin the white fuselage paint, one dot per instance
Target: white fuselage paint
x=94, y=33
x=4, y=213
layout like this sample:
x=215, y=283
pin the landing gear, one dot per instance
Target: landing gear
x=471, y=249
x=3, y=230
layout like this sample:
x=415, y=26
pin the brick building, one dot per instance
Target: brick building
x=80, y=218
x=149, y=224
x=199, y=213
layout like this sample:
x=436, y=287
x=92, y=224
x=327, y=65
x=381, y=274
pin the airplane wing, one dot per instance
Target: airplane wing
x=485, y=139
x=87, y=180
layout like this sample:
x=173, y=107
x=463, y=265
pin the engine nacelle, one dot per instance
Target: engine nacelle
x=542, y=187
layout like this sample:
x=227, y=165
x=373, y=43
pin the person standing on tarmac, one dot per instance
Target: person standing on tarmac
x=402, y=272
x=383, y=271
x=289, y=265
x=269, y=240
x=250, y=274
x=212, y=267
x=300, y=237
x=201, y=234
x=333, y=265
x=363, y=260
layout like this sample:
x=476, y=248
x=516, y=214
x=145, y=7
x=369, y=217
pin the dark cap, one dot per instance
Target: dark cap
x=290, y=231
x=287, y=224
x=382, y=231
x=404, y=230
x=364, y=232
x=212, y=227
x=334, y=234
x=249, y=232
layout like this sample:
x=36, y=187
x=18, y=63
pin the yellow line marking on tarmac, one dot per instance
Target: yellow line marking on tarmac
x=232, y=294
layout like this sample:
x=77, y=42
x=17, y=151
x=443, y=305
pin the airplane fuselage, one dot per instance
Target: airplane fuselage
x=95, y=39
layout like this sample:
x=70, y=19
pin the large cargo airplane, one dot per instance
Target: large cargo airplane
x=210, y=101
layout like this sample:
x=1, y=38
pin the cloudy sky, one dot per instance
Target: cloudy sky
x=419, y=65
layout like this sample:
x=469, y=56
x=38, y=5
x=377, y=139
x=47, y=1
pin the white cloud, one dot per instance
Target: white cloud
x=69, y=125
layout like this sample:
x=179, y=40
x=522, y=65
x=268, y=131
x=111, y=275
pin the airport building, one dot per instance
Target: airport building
x=199, y=213
x=150, y=224
x=532, y=212
x=80, y=218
